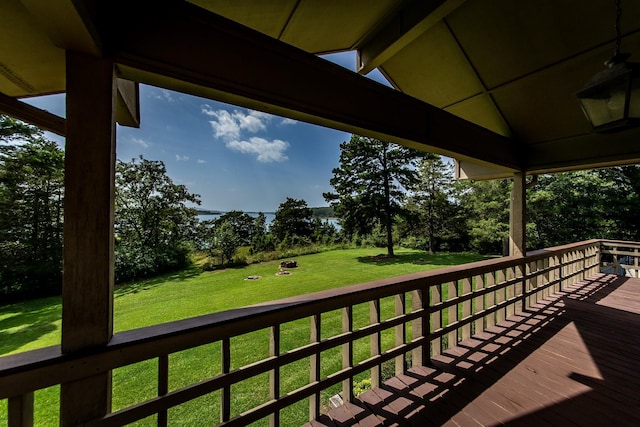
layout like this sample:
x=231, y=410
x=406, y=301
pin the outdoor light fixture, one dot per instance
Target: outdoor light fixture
x=611, y=99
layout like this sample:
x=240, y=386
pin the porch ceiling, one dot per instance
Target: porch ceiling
x=510, y=67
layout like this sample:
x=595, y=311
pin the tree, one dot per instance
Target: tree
x=485, y=205
x=293, y=219
x=623, y=201
x=225, y=240
x=561, y=208
x=323, y=231
x=262, y=241
x=435, y=214
x=370, y=184
x=573, y=206
x=259, y=225
x=243, y=224
x=154, y=228
x=31, y=207
x=14, y=130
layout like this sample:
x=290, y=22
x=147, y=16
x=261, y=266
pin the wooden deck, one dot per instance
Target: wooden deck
x=573, y=360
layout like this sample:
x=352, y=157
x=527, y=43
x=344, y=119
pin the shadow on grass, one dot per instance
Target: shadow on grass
x=146, y=284
x=424, y=258
x=26, y=322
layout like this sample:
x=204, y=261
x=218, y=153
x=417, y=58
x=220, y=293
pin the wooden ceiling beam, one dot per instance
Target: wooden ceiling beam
x=33, y=115
x=593, y=150
x=405, y=26
x=182, y=47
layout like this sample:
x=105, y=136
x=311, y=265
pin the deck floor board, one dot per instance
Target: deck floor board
x=572, y=359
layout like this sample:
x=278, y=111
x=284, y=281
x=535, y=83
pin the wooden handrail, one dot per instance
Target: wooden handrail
x=620, y=249
x=493, y=288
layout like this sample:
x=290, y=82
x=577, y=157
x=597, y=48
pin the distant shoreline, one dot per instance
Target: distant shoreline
x=206, y=212
x=322, y=212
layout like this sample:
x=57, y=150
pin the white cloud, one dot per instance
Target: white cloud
x=200, y=161
x=180, y=158
x=231, y=127
x=224, y=125
x=253, y=122
x=285, y=121
x=267, y=151
x=164, y=95
x=141, y=142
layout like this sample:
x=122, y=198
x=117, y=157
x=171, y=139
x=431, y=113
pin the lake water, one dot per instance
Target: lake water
x=269, y=217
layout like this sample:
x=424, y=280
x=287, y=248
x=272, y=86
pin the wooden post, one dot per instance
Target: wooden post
x=347, y=354
x=521, y=271
x=315, y=367
x=517, y=221
x=490, y=299
x=435, y=323
x=500, y=294
x=21, y=411
x=465, y=331
x=509, y=291
x=400, y=310
x=274, y=374
x=375, y=342
x=225, y=395
x=420, y=327
x=478, y=324
x=452, y=313
x=163, y=386
x=87, y=294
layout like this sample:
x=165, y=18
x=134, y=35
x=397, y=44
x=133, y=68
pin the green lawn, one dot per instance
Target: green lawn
x=36, y=324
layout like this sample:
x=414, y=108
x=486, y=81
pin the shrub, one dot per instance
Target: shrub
x=361, y=386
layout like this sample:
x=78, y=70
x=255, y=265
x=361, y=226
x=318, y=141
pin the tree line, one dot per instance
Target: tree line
x=383, y=194
x=409, y=197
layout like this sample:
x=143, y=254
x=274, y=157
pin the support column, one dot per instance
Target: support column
x=87, y=293
x=517, y=220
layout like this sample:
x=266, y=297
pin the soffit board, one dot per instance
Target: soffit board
x=505, y=39
x=482, y=111
x=434, y=69
x=584, y=152
x=268, y=17
x=542, y=106
x=334, y=25
x=30, y=64
x=312, y=25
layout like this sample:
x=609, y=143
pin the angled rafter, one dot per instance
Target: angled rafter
x=30, y=114
x=182, y=47
x=405, y=26
x=128, y=103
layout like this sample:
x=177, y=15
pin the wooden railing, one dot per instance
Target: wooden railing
x=621, y=258
x=397, y=323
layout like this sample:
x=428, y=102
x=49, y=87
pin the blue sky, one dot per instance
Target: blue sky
x=232, y=157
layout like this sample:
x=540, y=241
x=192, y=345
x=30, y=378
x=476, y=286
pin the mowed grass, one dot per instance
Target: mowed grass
x=191, y=293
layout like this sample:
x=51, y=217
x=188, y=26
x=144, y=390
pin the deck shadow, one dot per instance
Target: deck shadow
x=515, y=373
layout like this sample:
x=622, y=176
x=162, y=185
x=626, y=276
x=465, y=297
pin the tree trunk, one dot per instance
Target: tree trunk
x=387, y=201
x=389, y=236
x=430, y=209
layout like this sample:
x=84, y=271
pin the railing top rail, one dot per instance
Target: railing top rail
x=620, y=243
x=145, y=343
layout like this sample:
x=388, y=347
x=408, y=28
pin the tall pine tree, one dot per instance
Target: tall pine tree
x=437, y=220
x=371, y=183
